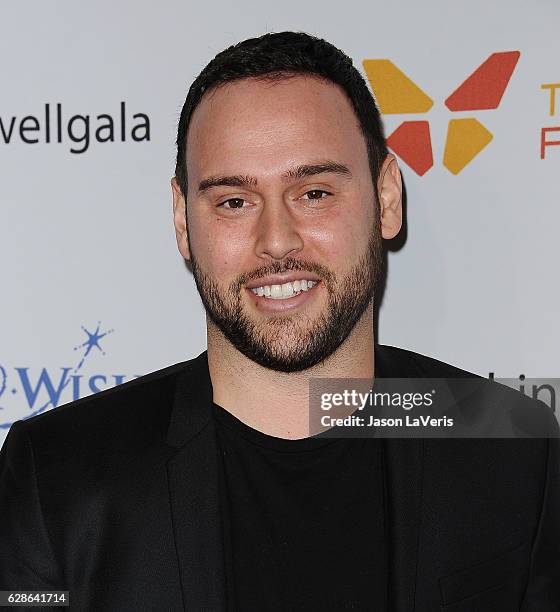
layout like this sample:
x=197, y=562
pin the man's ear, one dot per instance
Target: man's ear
x=389, y=188
x=180, y=220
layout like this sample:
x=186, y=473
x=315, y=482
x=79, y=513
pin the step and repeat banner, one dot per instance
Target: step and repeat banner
x=93, y=290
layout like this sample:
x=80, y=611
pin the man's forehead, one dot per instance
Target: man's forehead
x=282, y=101
x=255, y=118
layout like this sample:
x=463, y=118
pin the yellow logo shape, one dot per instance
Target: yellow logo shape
x=402, y=95
x=465, y=140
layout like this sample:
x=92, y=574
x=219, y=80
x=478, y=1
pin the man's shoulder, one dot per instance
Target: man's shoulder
x=510, y=408
x=136, y=412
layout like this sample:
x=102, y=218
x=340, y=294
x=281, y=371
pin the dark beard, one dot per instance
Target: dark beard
x=346, y=304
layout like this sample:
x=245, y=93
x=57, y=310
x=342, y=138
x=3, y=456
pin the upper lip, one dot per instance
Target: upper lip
x=280, y=279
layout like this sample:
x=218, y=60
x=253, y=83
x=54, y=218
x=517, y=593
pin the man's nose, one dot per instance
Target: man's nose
x=278, y=233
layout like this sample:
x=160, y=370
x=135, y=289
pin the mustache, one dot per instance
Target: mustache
x=287, y=265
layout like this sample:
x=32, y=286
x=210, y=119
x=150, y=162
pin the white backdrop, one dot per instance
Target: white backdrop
x=87, y=241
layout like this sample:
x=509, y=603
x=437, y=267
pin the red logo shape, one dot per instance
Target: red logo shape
x=411, y=141
x=484, y=89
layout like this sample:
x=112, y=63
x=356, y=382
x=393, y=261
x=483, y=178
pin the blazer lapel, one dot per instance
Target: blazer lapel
x=404, y=465
x=193, y=490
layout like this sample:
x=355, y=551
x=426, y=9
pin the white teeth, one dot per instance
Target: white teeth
x=282, y=292
x=287, y=290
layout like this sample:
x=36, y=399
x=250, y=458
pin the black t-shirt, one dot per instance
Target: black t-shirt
x=304, y=520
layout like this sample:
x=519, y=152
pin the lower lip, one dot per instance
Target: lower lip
x=271, y=305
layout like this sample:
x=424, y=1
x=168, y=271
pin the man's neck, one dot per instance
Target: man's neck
x=277, y=403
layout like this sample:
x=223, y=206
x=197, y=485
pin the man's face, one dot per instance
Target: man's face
x=280, y=192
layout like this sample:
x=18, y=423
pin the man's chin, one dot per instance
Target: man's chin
x=292, y=348
x=287, y=362
x=283, y=350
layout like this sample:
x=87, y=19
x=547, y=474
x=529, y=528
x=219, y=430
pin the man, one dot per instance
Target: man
x=198, y=487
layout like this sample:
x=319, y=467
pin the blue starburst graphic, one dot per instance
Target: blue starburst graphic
x=91, y=342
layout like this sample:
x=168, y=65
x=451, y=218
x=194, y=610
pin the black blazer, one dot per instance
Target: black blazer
x=115, y=498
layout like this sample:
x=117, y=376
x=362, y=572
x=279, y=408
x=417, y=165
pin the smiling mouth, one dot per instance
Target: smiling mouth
x=284, y=291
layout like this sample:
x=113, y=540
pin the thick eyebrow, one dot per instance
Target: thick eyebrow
x=226, y=181
x=298, y=172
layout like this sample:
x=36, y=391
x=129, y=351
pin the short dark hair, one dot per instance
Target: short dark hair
x=277, y=55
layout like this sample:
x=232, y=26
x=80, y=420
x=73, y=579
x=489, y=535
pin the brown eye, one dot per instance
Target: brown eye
x=315, y=194
x=233, y=203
